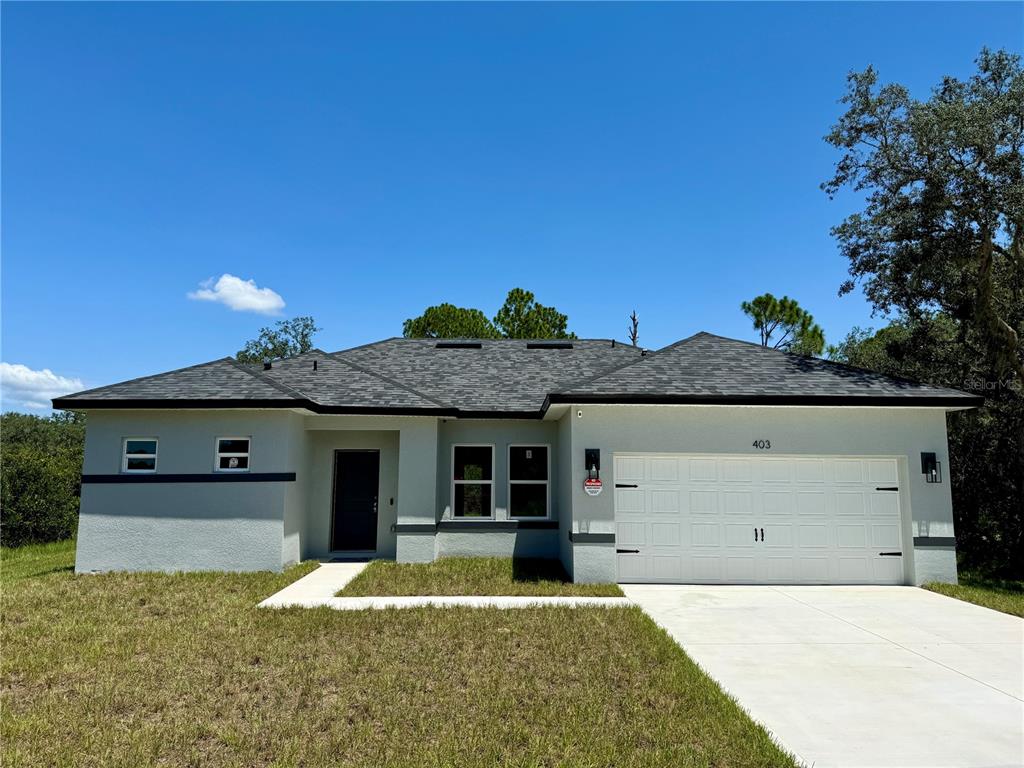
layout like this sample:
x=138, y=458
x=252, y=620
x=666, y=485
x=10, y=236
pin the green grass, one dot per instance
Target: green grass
x=184, y=670
x=36, y=560
x=997, y=594
x=472, y=576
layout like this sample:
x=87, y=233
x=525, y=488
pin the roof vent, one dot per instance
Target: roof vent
x=549, y=345
x=314, y=365
x=267, y=365
x=458, y=345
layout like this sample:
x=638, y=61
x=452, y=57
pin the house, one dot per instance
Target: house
x=709, y=461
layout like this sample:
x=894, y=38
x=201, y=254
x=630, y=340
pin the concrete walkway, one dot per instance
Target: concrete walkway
x=317, y=589
x=859, y=676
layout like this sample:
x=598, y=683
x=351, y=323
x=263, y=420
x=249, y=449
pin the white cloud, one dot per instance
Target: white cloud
x=22, y=388
x=240, y=295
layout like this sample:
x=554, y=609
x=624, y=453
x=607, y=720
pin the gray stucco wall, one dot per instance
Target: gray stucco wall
x=563, y=473
x=902, y=433
x=193, y=525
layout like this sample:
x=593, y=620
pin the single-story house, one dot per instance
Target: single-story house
x=709, y=461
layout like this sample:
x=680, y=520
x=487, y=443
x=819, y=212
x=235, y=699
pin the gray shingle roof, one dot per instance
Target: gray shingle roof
x=709, y=368
x=503, y=375
x=508, y=377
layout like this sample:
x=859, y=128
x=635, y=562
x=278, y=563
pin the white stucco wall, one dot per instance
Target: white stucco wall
x=897, y=432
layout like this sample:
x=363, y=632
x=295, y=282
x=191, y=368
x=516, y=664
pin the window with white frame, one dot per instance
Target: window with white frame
x=138, y=454
x=528, y=473
x=472, y=481
x=232, y=454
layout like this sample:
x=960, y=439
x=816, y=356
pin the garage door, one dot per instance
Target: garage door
x=754, y=520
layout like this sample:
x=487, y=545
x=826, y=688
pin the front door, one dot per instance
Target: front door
x=354, y=519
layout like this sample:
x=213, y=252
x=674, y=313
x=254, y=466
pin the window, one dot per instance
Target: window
x=472, y=481
x=139, y=454
x=232, y=454
x=528, y=472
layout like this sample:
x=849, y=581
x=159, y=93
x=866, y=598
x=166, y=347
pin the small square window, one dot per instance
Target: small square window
x=232, y=454
x=139, y=454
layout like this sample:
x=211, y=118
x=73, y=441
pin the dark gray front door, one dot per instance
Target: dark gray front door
x=356, y=479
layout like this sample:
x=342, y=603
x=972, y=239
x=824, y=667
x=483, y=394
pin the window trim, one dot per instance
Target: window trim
x=510, y=481
x=217, y=453
x=154, y=456
x=454, y=482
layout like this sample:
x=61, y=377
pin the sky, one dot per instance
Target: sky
x=177, y=176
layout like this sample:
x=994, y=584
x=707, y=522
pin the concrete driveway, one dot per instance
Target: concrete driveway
x=859, y=676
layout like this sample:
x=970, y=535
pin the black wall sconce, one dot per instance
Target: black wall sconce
x=592, y=463
x=931, y=468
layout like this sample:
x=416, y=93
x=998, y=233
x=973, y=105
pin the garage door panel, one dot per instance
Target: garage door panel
x=756, y=519
x=703, y=502
x=630, y=534
x=706, y=534
x=629, y=500
x=664, y=470
x=740, y=535
x=665, y=501
x=666, y=534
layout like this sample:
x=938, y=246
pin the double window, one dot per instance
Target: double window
x=138, y=454
x=232, y=454
x=528, y=481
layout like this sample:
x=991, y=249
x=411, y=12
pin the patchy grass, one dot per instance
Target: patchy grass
x=472, y=576
x=998, y=594
x=184, y=670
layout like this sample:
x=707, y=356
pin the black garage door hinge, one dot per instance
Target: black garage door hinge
x=625, y=485
x=890, y=554
x=627, y=551
x=887, y=489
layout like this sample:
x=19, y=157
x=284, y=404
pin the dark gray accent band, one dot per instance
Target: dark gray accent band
x=211, y=477
x=934, y=541
x=413, y=528
x=592, y=538
x=537, y=524
x=477, y=525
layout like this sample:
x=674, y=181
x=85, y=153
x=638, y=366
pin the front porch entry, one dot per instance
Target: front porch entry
x=355, y=500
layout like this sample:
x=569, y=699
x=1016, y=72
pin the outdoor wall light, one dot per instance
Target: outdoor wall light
x=931, y=468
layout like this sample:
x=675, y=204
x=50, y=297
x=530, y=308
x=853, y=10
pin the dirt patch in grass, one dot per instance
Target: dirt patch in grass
x=997, y=594
x=472, y=576
x=184, y=670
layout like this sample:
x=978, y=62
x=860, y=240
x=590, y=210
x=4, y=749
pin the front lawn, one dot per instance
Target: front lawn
x=135, y=670
x=997, y=594
x=472, y=576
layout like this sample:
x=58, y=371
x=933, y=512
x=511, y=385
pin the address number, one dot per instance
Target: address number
x=763, y=445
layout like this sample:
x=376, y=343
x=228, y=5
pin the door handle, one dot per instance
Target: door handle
x=755, y=533
x=762, y=534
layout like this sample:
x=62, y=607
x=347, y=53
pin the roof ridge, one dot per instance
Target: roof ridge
x=388, y=379
x=645, y=354
x=260, y=376
x=364, y=346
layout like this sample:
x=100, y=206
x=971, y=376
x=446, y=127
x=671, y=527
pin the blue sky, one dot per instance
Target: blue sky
x=365, y=161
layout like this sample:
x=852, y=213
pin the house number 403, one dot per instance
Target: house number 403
x=763, y=445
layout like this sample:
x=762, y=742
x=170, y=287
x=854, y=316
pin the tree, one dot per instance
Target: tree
x=446, y=321
x=286, y=338
x=521, y=317
x=799, y=333
x=40, y=477
x=634, y=328
x=986, y=471
x=943, y=221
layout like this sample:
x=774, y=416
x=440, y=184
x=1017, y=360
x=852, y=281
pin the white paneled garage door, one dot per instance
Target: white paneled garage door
x=716, y=519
